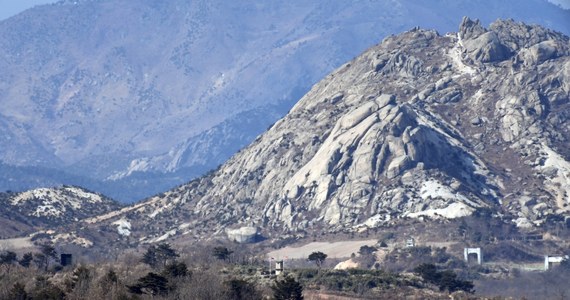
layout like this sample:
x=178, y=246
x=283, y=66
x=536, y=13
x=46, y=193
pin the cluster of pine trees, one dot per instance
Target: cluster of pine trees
x=159, y=273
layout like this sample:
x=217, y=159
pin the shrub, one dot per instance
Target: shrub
x=159, y=255
x=18, y=292
x=152, y=284
x=367, y=250
x=26, y=260
x=176, y=269
x=221, y=253
x=45, y=290
x=445, y=280
x=242, y=289
x=287, y=289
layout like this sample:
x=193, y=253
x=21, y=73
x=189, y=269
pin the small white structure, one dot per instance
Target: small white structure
x=549, y=260
x=410, y=242
x=476, y=251
x=279, y=267
x=243, y=235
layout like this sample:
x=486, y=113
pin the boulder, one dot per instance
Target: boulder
x=480, y=44
x=486, y=48
x=540, y=53
x=469, y=29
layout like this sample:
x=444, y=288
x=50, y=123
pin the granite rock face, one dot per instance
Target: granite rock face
x=480, y=44
x=421, y=125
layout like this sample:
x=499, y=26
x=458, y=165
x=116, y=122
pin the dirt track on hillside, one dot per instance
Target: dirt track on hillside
x=341, y=249
x=16, y=243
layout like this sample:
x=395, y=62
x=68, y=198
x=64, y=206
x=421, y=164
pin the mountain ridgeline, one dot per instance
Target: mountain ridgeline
x=131, y=98
x=422, y=125
x=38, y=210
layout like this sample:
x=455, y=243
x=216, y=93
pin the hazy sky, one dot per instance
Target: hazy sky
x=563, y=3
x=9, y=8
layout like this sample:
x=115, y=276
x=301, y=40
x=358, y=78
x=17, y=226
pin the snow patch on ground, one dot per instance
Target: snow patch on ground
x=184, y=226
x=123, y=227
x=54, y=202
x=455, y=55
x=477, y=97
x=454, y=210
x=72, y=238
x=435, y=190
x=374, y=221
x=164, y=236
x=560, y=169
x=29, y=195
x=156, y=212
x=90, y=197
x=523, y=222
x=48, y=210
x=141, y=164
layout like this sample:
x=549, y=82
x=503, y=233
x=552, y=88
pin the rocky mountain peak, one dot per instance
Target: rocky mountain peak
x=480, y=44
x=518, y=35
x=507, y=37
x=419, y=126
x=471, y=29
x=132, y=97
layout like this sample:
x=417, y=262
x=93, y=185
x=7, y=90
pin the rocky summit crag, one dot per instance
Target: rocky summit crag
x=421, y=125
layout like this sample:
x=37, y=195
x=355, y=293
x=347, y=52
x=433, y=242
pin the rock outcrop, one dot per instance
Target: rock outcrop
x=480, y=44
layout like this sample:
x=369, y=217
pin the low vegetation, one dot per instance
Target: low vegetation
x=162, y=272
x=227, y=271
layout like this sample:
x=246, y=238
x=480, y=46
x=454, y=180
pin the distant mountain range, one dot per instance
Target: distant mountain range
x=130, y=98
x=422, y=126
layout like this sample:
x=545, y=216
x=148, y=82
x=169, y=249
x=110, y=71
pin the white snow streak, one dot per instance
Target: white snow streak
x=434, y=190
x=454, y=210
x=561, y=179
x=455, y=56
x=123, y=227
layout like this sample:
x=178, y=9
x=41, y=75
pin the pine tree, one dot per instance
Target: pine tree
x=45, y=290
x=156, y=256
x=176, y=269
x=26, y=260
x=18, y=292
x=7, y=259
x=287, y=289
x=241, y=289
x=221, y=253
x=318, y=257
x=46, y=255
x=151, y=284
